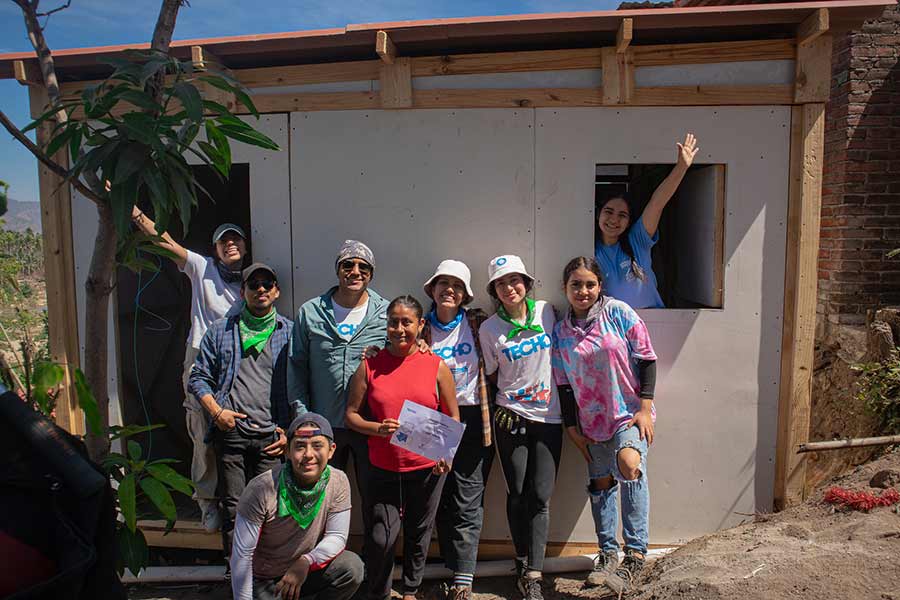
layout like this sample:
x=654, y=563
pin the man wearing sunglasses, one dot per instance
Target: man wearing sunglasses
x=330, y=335
x=239, y=380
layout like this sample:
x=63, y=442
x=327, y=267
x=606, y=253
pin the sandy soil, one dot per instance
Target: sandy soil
x=811, y=551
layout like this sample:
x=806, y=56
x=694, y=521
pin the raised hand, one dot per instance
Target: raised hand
x=687, y=151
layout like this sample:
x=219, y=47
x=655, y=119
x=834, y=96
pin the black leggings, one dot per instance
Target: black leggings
x=530, y=461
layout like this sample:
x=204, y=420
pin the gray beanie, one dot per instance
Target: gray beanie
x=355, y=249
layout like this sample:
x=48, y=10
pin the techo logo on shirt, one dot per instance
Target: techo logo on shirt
x=526, y=347
x=448, y=352
x=346, y=329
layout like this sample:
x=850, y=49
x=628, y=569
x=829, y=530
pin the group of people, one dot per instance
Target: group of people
x=276, y=408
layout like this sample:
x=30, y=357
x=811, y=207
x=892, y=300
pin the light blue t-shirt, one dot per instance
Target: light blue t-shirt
x=618, y=279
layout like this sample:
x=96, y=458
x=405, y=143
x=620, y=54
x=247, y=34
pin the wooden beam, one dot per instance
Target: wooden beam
x=623, y=36
x=506, y=62
x=385, y=47
x=396, y=84
x=799, y=323
x=714, y=52
x=812, y=81
x=714, y=95
x=275, y=103
x=59, y=272
x=618, y=76
x=27, y=72
x=205, y=60
x=813, y=26
x=508, y=98
x=361, y=70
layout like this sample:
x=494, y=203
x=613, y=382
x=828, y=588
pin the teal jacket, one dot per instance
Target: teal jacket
x=322, y=362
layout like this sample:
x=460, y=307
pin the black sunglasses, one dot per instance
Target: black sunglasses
x=254, y=284
x=364, y=267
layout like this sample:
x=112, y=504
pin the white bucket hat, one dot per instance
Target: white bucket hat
x=453, y=268
x=504, y=265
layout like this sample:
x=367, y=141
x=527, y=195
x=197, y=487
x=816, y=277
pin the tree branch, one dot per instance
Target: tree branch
x=48, y=162
x=162, y=39
x=45, y=58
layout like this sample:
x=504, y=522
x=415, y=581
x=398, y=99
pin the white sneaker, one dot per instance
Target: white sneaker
x=211, y=519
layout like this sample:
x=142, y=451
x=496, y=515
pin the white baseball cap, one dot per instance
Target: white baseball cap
x=504, y=265
x=453, y=268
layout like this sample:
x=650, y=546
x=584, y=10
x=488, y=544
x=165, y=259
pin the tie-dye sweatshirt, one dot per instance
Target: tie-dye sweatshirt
x=597, y=358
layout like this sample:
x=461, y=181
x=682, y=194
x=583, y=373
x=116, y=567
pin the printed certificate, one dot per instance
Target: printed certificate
x=427, y=432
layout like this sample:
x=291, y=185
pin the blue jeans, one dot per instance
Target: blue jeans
x=635, y=493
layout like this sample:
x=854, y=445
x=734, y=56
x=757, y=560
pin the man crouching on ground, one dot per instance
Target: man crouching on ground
x=292, y=525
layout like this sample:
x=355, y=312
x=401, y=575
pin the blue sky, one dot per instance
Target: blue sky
x=107, y=22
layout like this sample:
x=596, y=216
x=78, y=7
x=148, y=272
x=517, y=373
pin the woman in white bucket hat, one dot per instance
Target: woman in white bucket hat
x=451, y=332
x=516, y=343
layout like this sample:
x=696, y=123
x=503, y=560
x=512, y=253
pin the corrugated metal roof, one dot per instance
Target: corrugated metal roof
x=487, y=34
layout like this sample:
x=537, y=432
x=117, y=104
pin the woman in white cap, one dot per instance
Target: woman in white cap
x=517, y=344
x=215, y=287
x=451, y=331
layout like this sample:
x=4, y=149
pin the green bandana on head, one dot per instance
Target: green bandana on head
x=255, y=331
x=518, y=328
x=302, y=504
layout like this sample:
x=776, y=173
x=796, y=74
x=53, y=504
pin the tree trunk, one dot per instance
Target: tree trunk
x=98, y=287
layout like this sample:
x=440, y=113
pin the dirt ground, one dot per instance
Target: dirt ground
x=810, y=551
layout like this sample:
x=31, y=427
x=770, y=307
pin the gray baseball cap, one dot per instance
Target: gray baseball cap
x=324, y=427
x=225, y=228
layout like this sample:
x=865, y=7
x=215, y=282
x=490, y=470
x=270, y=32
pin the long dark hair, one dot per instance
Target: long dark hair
x=624, y=242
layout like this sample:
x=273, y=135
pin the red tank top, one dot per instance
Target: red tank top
x=391, y=380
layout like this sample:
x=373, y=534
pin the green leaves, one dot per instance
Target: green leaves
x=133, y=551
x=170, y=477
x=240, y=131
x=45, y=378
x=87, y=402
x=128, y=500
x=190, y=100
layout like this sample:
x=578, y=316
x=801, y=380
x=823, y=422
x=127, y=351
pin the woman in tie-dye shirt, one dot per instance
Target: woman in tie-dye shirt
x=605, y=369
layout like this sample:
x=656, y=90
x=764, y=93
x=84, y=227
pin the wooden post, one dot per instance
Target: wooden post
x=800, y=279
x=618, y=75
x=59, y=271
x=27, y=73
x=812, y=79
x=396, y=84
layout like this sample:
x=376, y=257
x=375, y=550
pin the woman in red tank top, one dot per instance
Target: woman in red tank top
x=403, y=487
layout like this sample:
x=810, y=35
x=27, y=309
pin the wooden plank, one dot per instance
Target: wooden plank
x=618, y=76
x=396, y=84
x=59, y=272
x=813, y=26
x=715, y=52
x=710, y=95
x=385, y=47
x=273, y=103
x=305, y=74
x=506, y=62
x=624, y=35
x=27, y=73
x=799, y=324
x=508, y=98
x=812, y=82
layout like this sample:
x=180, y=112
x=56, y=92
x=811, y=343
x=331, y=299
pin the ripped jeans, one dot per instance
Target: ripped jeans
x=635, y=493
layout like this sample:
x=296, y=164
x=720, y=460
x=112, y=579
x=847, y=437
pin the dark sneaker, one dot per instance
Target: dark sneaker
x=604, y=566
x=520, y=575
x=459, y=592
x=533, y=590
x=622, y=579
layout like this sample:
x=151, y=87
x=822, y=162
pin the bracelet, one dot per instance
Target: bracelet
x=138, y=216
x=216, y=418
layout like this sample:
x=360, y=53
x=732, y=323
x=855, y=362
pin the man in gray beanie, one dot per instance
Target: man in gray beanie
x=330, y=334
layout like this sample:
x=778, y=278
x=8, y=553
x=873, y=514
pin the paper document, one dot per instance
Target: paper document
x=427, y=432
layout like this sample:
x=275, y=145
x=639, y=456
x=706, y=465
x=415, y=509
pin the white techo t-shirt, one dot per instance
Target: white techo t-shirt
x=348, y=319
x=211, y=297
x=457, y=348
x=524, y=375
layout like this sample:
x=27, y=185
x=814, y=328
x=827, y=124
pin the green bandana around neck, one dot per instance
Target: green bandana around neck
x=518, y=328
x=255, y=331
x=301, y=504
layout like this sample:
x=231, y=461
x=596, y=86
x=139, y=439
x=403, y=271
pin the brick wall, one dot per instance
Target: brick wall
x=861, y=185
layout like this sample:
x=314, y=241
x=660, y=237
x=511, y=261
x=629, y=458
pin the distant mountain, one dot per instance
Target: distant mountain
x=22, y=215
